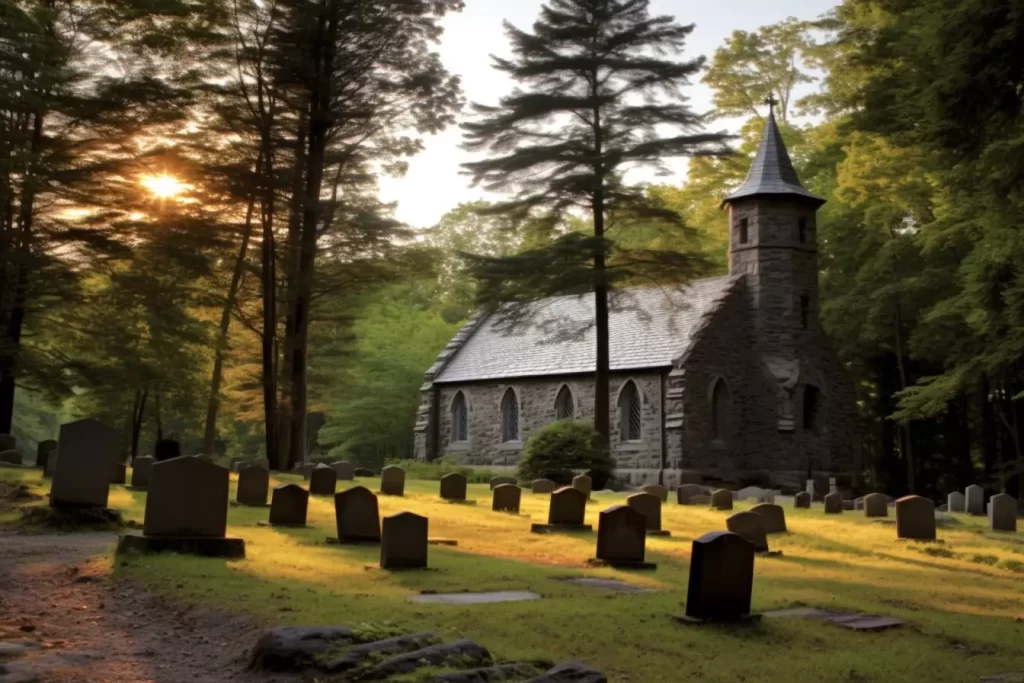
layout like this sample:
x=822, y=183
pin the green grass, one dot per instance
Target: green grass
x=960, y=596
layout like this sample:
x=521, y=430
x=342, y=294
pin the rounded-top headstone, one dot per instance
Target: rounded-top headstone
x=1002, y=512
x=686, y=493
x=253, y=485
x=621, y=535
x=876, y=505
x=357, y=515
x=915, y=518
x=721, y=499
x=506, y=498
x=166, y=449
x=772, y=516
x=543, y=486
x=649, y=505
x=955, y=502
x=656, y=490
x=392, y=481
x=750, y=526
x=344, y=469
x=453, y=486
x=721, y=577
x=187, y=497
x=833, y=504
x=289, y=505
x=802, y=500
x=403, y=542
x=974, y=500
x=44, y=451
x=323, y=481
x=584, y=483
x=85, y=457
x=498, y=481
x=568, y=507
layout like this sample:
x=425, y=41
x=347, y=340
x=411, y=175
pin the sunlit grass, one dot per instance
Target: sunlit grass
x=955, y=597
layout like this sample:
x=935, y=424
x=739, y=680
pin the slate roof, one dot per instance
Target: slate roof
x=772, y=171
x=649, y=327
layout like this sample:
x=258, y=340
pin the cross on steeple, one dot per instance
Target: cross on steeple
x=771, y=102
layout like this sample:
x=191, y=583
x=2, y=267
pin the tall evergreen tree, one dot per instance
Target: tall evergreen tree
x=600, y=92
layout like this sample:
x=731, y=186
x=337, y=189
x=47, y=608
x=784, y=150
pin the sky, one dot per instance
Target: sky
x=434, y=185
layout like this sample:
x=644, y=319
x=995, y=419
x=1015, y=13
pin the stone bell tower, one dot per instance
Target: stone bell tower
x=772, y=242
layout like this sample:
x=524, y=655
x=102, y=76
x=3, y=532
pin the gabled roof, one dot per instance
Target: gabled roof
x=649, y=327
x=772, y=171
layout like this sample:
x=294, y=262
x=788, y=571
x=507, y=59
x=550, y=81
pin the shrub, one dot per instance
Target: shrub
x=561, y=449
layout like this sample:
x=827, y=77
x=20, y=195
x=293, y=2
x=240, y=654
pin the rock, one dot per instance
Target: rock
x=466, y=652
x=294, y=648
x=360, y=653
x=570, y=672
x=492, y=674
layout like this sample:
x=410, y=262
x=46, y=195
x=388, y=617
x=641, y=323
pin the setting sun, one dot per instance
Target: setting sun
x=164, y=186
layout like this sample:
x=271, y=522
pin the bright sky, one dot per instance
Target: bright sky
x=434, y=185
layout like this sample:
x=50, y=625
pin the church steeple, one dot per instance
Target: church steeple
x=772, y=173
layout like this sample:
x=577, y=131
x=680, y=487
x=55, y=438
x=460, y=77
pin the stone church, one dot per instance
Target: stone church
x=729, y=379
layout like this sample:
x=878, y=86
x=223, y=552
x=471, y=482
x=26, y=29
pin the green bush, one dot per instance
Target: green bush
x=561, y=449
x=433, y=471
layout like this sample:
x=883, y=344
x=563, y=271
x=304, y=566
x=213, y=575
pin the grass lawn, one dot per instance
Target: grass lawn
x=962, y=598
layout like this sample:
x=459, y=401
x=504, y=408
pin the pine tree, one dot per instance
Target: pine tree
x=600, y=92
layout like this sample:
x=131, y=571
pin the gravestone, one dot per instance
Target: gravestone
x=656, y=490
x=344, y=470
x=543, y=486
x=649, y=505
x=1002, y=512
x=142, y=470
x=51, y=467
x=11, y=457
x=751, y=493
x=498, y=481
x=955, y=502
x=584, y=483
x=751, y=527
x=621, y=536
x=323, y=481
x=8, y=442
x=773, y=517
x=357, y=515
x=306, y=469
x=820, y=486
x=858, y=503
x=118, y=473
x=187, y=497
x=974, y=500
x=506, y=498
x=833, y=503
x=253, y=485
x=915, y=518
x=876, y=505
x=403, y=542
x=848, y=505
x=166, y=449
x=85, y=457
x=802, y=500
x=44, y=451
x=365, y=472
x=686, y=492
x=721, y=578
x=700, y=500
x=721, y=499
x=453, y=486
x=566, y=511
x=392, y=481
x=288, y=506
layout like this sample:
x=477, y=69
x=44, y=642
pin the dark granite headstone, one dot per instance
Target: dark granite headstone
x=453, y=486
x=288, y=506
x=187, y=497
x=253, y=485
x=506, y=498
x=621, y=535
x=750, y=526
x=392, y=481
x=721, y=577
x=165, y=449
x=357, y=515
x=323, y=481
x=85, y=458
x=915, y=518
x=403, y=542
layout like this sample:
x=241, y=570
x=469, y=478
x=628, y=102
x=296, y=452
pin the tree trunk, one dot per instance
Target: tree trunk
x=602, y=414
x=213, y=403
x=268, y=282
x=908, y=439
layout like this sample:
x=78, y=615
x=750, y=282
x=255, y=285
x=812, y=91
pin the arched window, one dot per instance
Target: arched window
x=460, y=418
x=812, y=401
x=721, y=408
x=565, y=409
x=630, y=413
x=510, y=417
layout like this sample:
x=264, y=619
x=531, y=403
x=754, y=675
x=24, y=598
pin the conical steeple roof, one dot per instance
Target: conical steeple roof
x=772, y=173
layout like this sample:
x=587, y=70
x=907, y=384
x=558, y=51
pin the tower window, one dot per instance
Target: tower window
x=803, y=230
x=811, y=408
x=460, y=419
x=509, y=417
x=630, y=413
x=564, y=408
x=720, y=418
x=805, y=311
x=743, y=231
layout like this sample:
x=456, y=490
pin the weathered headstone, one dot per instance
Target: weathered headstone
x=453, y=486
x=876, y=505
x=11, y=457
x=915, y=518
x=751, y=527
x=288, y=506
x=750, y=493
x=858, y=503
x=848, y=504
x=344, y=469
x=649, y=505
x=357, y=515
x=1002, y=512
x=955, y=502
x=584, y=483
x=974, y=500
x=142, y=470
x=118, y=473
x=802, y=500
x=498, y=481
x=721, y=578
x=506, y=498
x=700, y=500
x=621, y=536
x=773, y=517
x=8, y=442
x=686, y=492
x=166, y=449
x=392, y=481
x=403, y=543
x=44, y=451
x=253, y=485
x=567, y=510
x=820, y=487
x=833, y=503
x=721, y=499
x=323, y=481
x=187, y=497
x=656, y=490
x=543, y=486
x=85, y=457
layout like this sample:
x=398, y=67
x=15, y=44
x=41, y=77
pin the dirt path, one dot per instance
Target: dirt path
x=63, y=620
